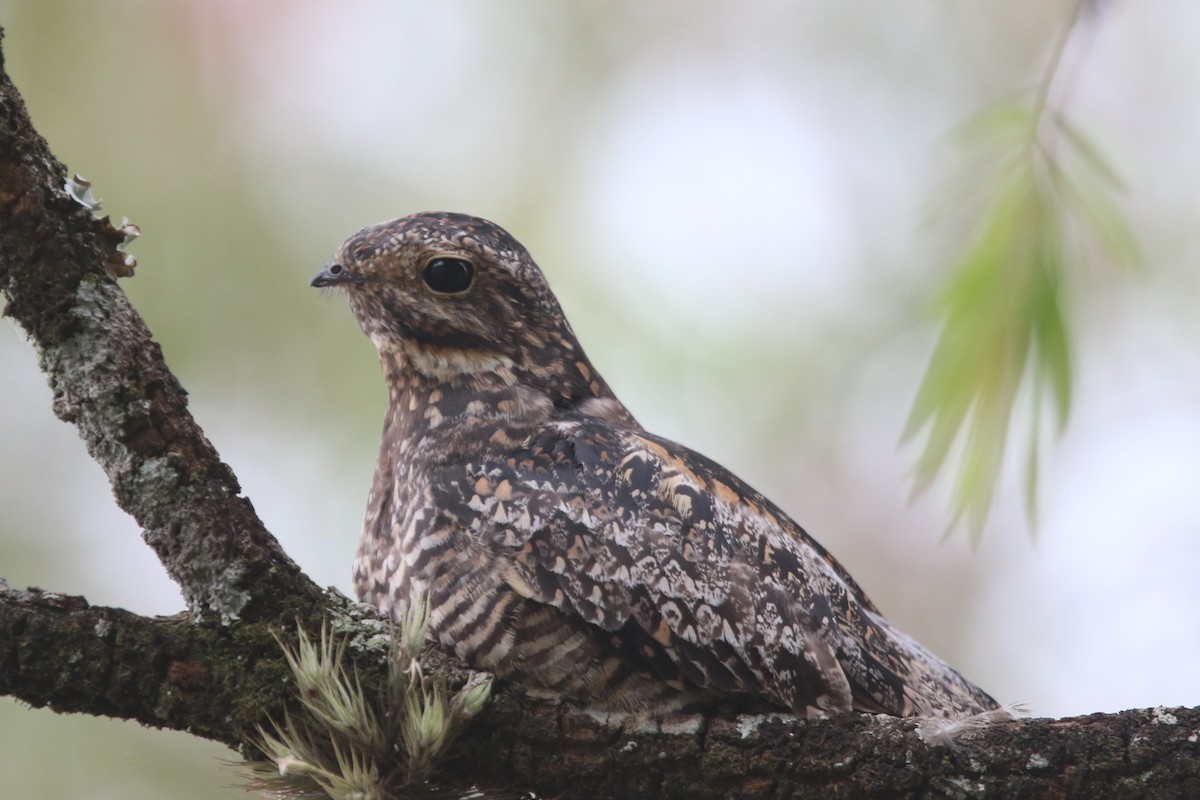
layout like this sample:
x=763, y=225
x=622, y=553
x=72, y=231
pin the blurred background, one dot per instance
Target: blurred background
x=741, y=209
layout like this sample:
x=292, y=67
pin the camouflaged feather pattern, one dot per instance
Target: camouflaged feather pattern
x=565, y=548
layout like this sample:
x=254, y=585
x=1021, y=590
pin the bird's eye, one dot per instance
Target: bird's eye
x=448, y=275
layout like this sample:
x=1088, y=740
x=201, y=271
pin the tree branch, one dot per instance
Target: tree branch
x=1145, y=753
x=109, y=379
x=218, y=672
x=219, y=682
x=214, y=681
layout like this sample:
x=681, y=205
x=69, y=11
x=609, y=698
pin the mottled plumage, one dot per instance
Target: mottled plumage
x=564, y=547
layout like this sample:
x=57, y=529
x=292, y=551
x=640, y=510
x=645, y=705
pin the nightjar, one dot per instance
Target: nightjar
x=563, y=547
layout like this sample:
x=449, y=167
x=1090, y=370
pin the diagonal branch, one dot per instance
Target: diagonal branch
x=109, y=379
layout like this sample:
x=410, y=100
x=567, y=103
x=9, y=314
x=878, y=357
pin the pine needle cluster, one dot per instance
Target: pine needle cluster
x=347, y=743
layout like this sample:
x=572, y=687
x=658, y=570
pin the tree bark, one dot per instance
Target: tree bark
x=218, y=671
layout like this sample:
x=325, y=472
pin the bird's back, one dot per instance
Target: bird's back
x=623, y=570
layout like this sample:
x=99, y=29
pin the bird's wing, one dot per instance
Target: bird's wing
x=684, y=567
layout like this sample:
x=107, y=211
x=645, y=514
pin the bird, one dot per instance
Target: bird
x=565, y=549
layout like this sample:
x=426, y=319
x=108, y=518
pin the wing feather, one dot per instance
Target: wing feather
x=667, y=563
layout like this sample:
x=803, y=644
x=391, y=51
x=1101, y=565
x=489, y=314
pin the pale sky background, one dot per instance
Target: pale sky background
x=740, y=207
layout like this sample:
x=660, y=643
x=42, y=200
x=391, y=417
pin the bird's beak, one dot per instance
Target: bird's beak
x=332, y=275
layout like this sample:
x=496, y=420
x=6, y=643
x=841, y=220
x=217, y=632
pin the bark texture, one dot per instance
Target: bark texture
x=217, y=670
x=109, y=379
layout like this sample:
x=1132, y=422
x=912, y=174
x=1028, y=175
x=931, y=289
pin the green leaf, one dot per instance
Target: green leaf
x=1003, y=308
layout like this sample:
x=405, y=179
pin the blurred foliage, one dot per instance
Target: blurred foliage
x=1047, y=203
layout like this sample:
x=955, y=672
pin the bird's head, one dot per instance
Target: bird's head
x=452, y=296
